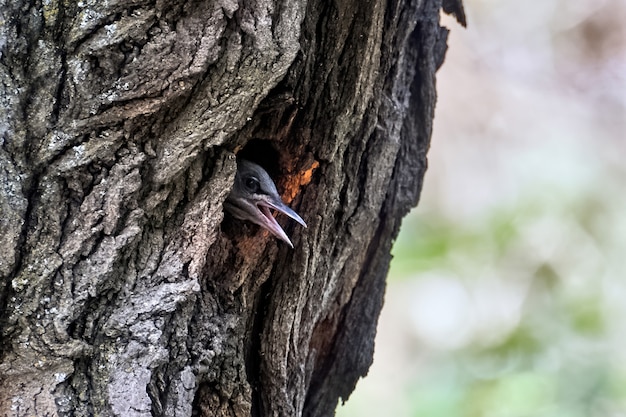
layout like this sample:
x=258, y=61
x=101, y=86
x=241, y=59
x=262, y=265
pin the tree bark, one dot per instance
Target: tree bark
x=124, y=289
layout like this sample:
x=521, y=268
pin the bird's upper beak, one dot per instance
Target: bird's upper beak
x=265, y=218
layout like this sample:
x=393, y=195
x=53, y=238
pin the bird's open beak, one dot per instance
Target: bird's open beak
x=267, y=220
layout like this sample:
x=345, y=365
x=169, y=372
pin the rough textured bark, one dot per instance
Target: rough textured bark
x=124, y=288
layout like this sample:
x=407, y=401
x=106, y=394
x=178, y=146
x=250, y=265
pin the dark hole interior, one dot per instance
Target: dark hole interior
x=262, y=152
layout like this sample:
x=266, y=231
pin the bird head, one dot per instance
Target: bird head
x=253, y=198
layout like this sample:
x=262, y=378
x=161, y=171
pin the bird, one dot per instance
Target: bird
x=254, y=195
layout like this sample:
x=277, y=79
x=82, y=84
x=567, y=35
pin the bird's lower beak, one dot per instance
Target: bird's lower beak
x=268, y=221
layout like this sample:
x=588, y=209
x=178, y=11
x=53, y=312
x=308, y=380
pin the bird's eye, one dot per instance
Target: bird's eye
x=252, y=184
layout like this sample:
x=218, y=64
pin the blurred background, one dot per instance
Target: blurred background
x=507, y=292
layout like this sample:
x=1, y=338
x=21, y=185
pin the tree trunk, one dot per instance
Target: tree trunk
x=125, y=290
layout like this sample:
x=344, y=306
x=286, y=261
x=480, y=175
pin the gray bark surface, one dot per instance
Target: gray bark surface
x=124, y=289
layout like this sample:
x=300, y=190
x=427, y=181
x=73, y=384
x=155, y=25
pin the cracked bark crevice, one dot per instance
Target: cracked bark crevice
x=254, y=349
